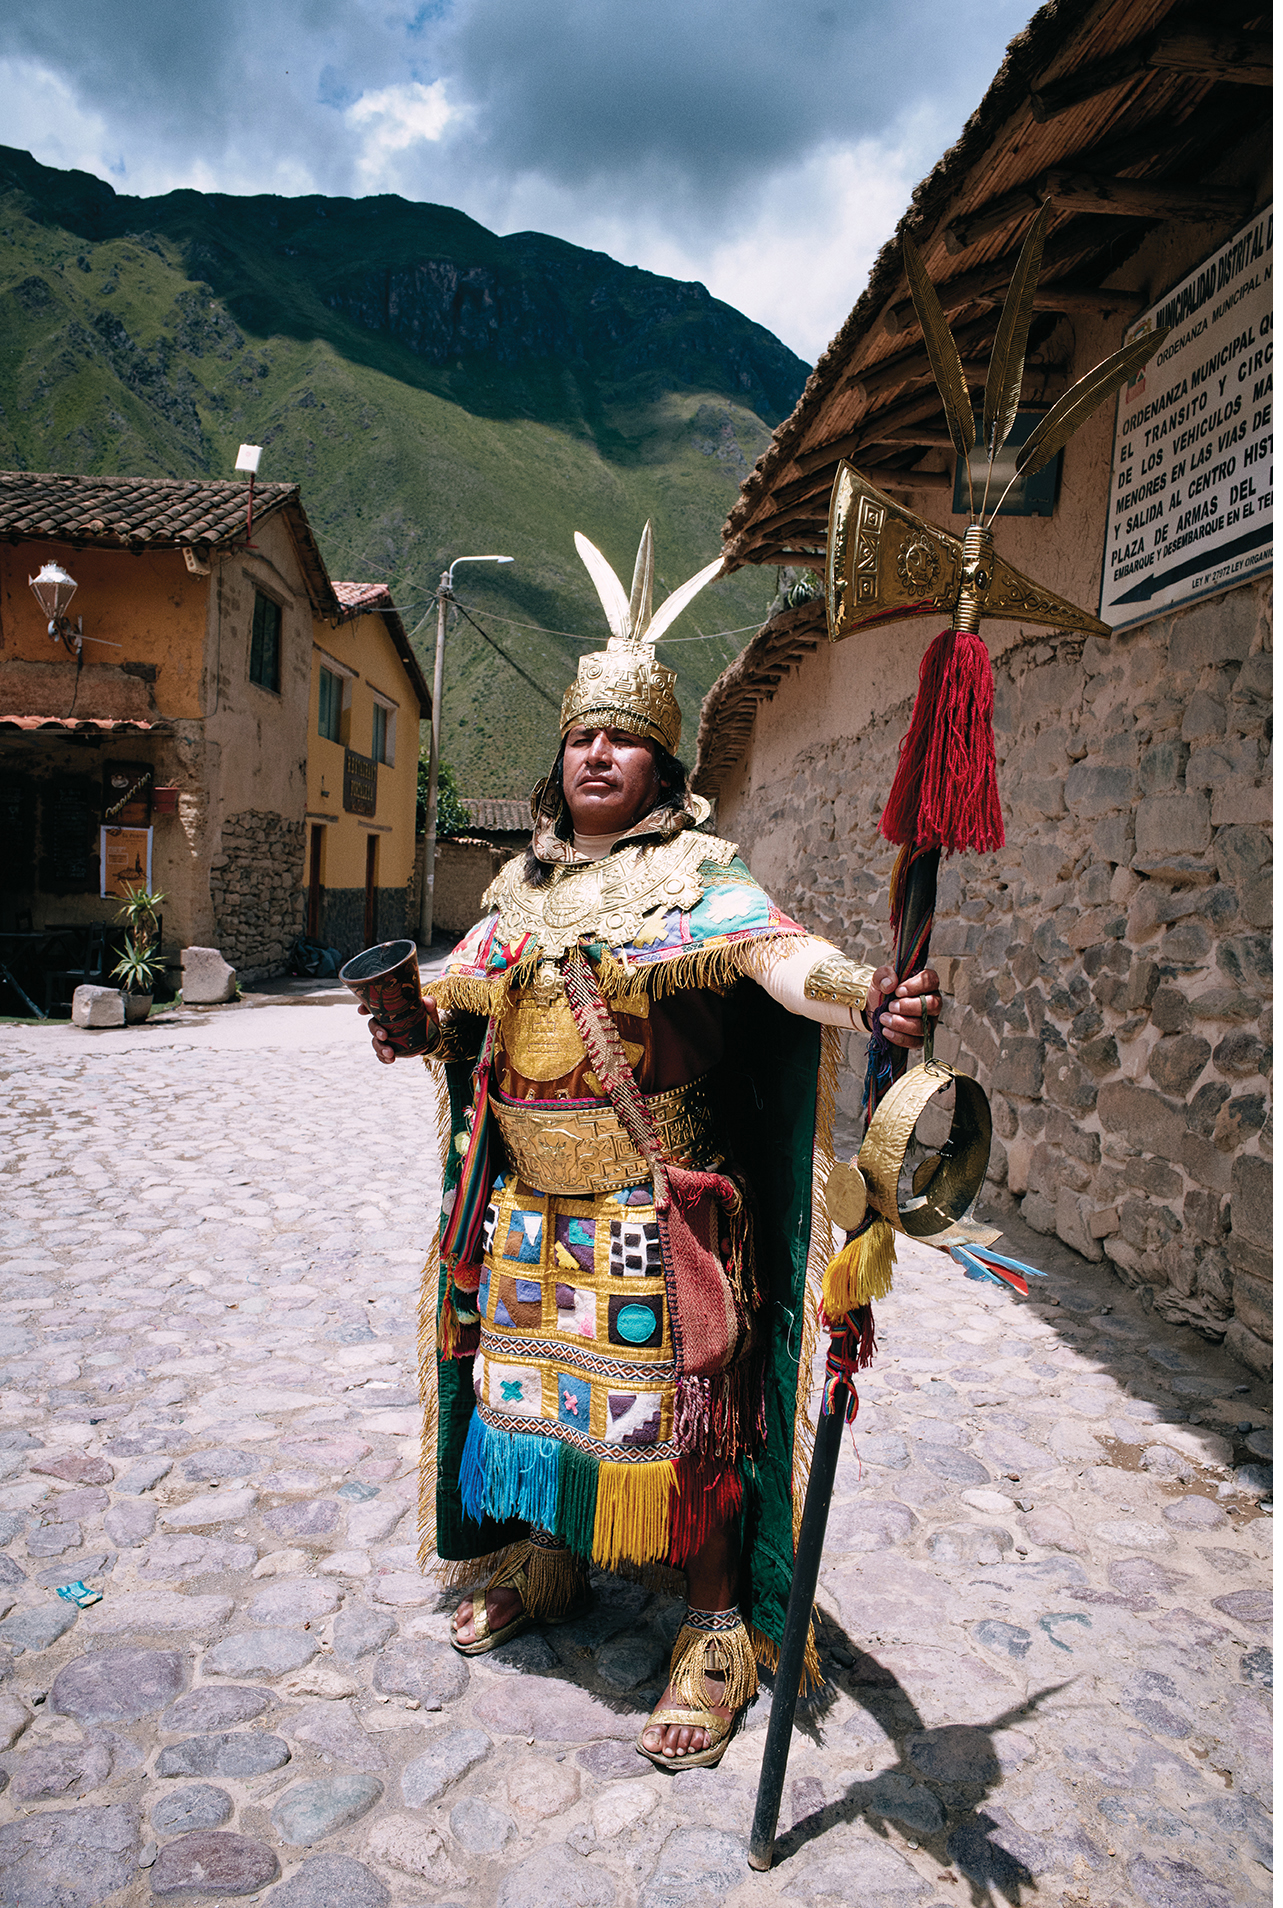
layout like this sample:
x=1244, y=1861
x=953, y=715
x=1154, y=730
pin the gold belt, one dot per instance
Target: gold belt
x=580, y=1146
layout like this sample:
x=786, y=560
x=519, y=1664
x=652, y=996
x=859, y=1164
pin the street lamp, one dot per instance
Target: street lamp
x=445, y=596
x=53, y=590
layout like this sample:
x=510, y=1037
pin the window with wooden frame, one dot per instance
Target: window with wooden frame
x=265, y=644
x=383, y=738
x=329, y=719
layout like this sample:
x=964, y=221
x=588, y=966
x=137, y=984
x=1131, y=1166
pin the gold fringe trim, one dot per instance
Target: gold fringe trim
x=426, y=1353
x=727, y=1653
x=714, y=968
x=768, y=1655
x=820, y=1250
x=632, y=1513
x=550, y=1582
x=465, y=1573
x=861, y=1272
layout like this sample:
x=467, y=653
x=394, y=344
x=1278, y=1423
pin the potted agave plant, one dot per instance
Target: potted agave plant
x=140, y=966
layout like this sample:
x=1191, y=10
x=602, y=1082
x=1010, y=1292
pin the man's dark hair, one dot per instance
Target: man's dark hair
x=673, y=779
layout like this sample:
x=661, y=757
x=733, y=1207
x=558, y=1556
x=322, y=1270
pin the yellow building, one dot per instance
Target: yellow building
x=368, y=695
x=167, y=739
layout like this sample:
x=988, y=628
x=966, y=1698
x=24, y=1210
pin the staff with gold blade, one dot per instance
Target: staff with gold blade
x=884, y=563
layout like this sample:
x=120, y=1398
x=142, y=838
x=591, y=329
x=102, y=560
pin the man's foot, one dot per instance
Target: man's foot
x=502, y=1606
x=674, y=1741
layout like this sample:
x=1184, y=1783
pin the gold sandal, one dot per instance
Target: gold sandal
x=552, y=1585
x=715, y=1641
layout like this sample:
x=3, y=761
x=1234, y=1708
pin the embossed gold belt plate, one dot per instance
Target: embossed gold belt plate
x=573, y=1146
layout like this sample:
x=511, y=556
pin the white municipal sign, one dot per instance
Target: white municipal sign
x=1191, y=490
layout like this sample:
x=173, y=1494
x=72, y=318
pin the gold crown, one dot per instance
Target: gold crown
x=623, y=686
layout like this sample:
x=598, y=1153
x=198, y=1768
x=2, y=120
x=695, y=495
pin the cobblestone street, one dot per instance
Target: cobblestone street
x=1045, y=1597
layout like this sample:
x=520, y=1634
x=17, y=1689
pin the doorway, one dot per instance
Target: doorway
x=371, y=889
x=314, y=883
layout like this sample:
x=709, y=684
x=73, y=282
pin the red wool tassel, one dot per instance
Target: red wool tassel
x=900, y=816
x=946, y=783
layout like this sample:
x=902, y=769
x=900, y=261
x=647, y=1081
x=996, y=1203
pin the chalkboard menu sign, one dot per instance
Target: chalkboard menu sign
x=360, y=783
x=18, y=830
x=68, y=827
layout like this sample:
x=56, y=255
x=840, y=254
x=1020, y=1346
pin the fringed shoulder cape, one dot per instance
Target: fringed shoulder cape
x=683, y=914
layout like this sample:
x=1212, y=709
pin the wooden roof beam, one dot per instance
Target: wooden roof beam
x=975, y=370
x=825, y=456
x=1242, y=59
x=989, y=287
x=1091, y=192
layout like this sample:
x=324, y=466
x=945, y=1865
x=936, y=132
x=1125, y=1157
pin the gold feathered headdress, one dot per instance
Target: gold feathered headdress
x=623, y=686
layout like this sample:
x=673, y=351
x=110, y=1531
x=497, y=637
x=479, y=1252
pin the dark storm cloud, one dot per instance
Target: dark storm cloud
x=703, y=94
x=693, y=97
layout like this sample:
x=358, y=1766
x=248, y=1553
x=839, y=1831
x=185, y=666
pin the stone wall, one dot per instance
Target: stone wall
x=256, y=885
x=343, y=918
x=1110, y=969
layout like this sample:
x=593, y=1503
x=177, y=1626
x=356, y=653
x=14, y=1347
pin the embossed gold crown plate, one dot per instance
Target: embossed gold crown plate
x=604, y=900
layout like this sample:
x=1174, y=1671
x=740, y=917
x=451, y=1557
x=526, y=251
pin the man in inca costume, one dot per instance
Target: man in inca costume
x=639, y=1051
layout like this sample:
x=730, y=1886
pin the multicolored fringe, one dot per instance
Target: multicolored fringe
x=611, y=1514
x=851, y=1349
x=723, y=1416
x=861, y=1271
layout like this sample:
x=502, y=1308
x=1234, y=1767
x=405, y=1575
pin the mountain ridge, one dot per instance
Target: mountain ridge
x=434, y=387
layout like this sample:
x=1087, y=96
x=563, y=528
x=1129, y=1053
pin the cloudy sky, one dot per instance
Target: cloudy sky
x=766, y=147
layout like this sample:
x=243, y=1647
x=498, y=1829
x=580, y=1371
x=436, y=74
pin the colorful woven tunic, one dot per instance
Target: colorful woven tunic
x=560, y=1398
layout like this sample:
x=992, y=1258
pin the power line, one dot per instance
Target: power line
x=511, y=661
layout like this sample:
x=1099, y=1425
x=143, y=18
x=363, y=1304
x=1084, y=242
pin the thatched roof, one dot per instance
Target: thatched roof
x=1126, y=114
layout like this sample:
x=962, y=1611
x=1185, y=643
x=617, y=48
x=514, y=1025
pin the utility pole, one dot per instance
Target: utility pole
x=445, y=596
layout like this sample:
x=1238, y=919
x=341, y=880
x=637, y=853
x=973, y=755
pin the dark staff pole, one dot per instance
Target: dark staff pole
x=797, y=1624
x=919, y=907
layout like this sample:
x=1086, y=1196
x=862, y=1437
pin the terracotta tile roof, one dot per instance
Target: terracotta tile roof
x=119, y=512
x=497, y=815
x=86, y=724
x=358, y=598
x=375, y=599
x=153, y=513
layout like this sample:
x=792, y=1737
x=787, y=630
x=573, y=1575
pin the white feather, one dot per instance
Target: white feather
x=614, y=598
x=671, y=608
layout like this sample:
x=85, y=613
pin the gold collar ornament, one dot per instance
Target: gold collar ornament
x=623, y=686
x=606, y=900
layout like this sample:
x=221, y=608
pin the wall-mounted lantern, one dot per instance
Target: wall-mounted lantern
x=53, y=590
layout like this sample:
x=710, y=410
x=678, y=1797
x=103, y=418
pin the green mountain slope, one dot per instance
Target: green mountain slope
x=435, y=389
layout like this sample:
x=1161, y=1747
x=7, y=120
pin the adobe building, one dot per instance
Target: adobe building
x=367, y=697
x=1110, y=969
x=175, y=745
x=466, y=864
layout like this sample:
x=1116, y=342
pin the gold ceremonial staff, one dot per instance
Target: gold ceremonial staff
x=883, y=563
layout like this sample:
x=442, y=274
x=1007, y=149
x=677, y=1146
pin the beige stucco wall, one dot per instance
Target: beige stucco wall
x=364, y=647
x=1110, y=969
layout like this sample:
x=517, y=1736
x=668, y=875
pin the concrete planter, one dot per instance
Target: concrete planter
x=137, y=1008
